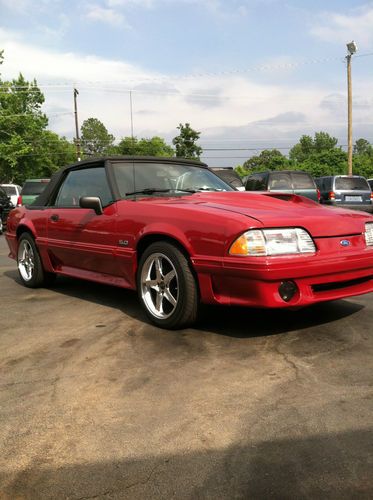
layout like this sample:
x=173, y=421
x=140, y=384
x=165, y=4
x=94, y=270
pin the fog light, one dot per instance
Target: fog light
x=287, y=290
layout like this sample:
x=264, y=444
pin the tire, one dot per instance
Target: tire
x=30, y=268
x=167, y=287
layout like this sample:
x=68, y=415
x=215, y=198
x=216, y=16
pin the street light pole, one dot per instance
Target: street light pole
x=351, y=47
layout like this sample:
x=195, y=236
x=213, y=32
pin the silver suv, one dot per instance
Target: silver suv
x=346, y=191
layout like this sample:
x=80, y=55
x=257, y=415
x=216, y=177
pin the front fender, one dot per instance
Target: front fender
x=167, y=230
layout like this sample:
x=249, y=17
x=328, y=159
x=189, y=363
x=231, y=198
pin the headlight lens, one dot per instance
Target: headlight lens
x=369, y=233
x=282, y=241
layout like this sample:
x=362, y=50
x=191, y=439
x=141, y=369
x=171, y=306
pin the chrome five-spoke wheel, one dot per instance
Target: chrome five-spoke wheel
x=29, y=263
x=26, y=260
x=166, y=286
x=159, y=285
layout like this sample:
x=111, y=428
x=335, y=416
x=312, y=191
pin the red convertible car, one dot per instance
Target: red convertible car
x=174, y=231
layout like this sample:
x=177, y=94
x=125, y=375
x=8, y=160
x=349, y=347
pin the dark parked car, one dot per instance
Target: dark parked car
x=5, y=207
x=31, y=189
x=346, y=192
x=229, y=175
x=172, y=230
x=284, y=181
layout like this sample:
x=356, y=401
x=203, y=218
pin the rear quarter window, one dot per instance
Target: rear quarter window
x=278, y=181
x=303, y=181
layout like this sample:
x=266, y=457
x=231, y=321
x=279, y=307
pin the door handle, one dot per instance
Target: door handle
x=54, y=217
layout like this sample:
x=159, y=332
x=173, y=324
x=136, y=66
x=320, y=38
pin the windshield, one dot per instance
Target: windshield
x=10, y=190
x=161, y=178
x=351, y=184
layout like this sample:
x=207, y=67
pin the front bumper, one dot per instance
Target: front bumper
x=255, y=282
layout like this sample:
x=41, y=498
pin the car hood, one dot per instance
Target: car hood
x=283, y=210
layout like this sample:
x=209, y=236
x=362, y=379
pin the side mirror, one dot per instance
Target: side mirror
x=92, y=202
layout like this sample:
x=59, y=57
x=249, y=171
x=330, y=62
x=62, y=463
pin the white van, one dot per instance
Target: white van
x=13, y=191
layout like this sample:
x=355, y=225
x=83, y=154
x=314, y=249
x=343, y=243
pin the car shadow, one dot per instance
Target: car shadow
x=335, y=465
x=236, y=322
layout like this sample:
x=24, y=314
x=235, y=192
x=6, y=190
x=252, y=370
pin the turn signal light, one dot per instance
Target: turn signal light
x=239, y=247
x=331, y=195
x=19, y=201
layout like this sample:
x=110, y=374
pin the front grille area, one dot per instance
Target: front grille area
x=324, y=287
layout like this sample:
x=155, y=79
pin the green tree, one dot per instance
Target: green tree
x=308, y=146
x=363, y=165
x=21, y=124
x=95, y=138
x=363, y=147
x=156, y=146
x=185, y=142
x=319, y=155
x=27, y=149
x=53, y=152
x=362, y=160
x=329, y=162
x=268, y=159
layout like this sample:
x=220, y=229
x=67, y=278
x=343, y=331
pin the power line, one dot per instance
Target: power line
x=33, y=115
x=262, y=67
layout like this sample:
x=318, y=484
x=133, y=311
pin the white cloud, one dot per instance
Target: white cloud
x=105, y=15
x=221, y=106
x=15, y=5
x=218, y=8
x=128, y=3
x=342, y=28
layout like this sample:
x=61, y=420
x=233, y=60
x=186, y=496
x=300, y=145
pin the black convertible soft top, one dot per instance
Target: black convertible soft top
x=43, y=199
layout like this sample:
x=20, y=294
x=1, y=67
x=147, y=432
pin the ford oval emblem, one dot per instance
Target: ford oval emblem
x=345, y=243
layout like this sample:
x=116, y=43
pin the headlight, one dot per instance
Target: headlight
x=282, y=241
x=369, y=233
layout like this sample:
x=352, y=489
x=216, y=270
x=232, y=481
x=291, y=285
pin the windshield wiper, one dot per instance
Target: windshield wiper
x=148, y=191
x=156, y=190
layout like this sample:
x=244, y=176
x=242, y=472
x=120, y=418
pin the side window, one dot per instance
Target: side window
x=255, y=183
x=261, y=182
x=84, y=182
x=279, y=181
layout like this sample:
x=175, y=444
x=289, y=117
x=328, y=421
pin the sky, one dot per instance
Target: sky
x=247, y=74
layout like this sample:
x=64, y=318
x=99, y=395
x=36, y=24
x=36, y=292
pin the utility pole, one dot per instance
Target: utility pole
x=351, y=47
x=77, y=137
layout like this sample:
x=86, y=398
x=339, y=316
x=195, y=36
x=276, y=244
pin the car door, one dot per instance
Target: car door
x=78, y=238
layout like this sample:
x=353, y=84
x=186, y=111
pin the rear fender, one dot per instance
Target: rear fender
x=28, y=226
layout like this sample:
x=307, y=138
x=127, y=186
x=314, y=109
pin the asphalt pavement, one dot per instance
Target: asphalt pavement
x=97, y=403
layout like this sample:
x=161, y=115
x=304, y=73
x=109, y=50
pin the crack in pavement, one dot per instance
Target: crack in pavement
x=129, y=486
